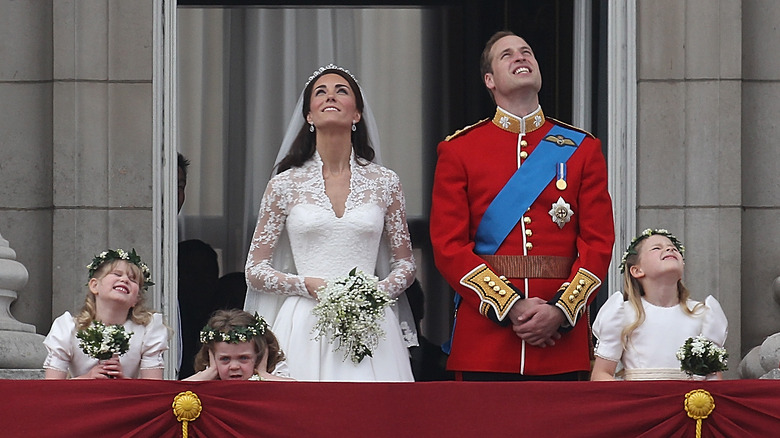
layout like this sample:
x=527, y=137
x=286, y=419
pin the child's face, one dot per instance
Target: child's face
x=119, y=284
x=658, y=256
x=235, y=361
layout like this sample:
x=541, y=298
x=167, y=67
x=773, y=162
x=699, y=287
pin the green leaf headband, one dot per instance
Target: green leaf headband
x=120, y=254
x=236, y=334
x=645, y=234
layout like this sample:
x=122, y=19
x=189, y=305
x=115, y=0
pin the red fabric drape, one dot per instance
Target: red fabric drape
x=139, y=408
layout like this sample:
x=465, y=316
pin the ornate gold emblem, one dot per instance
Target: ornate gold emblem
x=493, y=290
x=186, y=408
x=699, y=404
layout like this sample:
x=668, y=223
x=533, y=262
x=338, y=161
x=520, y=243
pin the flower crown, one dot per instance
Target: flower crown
x=120, y=254
x=645, y=234
x=236, y=334
x=324, y=68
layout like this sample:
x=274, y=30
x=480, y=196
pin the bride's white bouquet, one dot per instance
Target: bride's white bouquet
x=349, y=312
x=700, y=356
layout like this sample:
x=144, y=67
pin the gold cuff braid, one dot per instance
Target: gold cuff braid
x=493, y=290
x=575, y=295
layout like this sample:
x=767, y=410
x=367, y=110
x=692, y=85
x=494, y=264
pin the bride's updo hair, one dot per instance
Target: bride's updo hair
x=304, y=145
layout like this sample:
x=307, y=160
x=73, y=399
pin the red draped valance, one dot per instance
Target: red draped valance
x=138, y=408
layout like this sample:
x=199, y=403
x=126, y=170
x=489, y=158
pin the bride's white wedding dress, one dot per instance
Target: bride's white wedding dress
x=327, y=246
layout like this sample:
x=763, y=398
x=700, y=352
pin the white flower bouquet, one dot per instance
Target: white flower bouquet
x=103, y=341
x=700, y=356
x=349, y=313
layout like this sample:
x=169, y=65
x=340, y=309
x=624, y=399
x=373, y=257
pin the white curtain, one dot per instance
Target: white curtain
x=283, y=47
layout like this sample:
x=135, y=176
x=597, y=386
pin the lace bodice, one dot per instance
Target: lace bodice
x=324, y=245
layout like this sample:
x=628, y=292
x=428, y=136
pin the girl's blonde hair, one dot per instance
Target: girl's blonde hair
x=139, y=314
x=633, y=293
x=226, y=321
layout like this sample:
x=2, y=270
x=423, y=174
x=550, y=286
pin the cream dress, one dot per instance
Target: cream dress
x=295, y=206
x=147, y=345
x=651, y=352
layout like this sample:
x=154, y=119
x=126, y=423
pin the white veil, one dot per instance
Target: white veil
x=268, y=305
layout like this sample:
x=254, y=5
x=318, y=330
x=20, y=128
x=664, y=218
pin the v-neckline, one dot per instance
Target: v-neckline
x=331, y=207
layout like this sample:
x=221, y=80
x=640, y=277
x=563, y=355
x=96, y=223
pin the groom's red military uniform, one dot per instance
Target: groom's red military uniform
x=559, y=250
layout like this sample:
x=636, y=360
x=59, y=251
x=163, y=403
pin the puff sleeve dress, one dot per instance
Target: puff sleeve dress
x=147, y=345
x=651, y=351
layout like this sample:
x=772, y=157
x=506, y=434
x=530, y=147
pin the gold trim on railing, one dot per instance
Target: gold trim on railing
x=186, y=408
x=699, y=404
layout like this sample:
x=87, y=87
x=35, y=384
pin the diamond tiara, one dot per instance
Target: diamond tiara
x=324, y=68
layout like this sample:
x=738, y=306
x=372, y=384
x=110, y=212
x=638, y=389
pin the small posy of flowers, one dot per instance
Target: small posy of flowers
x=700, y=356
x=102, y=341
x=349, y=313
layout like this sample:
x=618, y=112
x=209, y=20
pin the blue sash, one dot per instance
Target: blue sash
x=522, y=189
x=511, y=203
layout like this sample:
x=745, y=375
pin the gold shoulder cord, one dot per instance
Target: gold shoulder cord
x=464, y=130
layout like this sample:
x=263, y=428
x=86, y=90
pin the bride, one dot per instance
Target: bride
x=336, y=206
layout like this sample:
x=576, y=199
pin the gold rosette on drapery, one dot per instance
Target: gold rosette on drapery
x=699, y=404
x=186, y=408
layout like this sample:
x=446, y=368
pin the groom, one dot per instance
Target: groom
x=522, y=229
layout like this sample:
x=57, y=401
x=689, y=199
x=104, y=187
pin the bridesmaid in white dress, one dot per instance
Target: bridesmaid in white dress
x=336, y=206
x=117, y=285
x=644, y=326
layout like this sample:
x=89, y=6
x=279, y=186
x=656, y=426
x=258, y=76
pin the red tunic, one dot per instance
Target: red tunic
x=472, y=168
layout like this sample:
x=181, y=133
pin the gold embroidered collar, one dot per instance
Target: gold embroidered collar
x=510, y=122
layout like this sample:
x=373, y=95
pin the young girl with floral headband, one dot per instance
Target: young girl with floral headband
x=113, y=311
x=238, y=346
x=644, y=326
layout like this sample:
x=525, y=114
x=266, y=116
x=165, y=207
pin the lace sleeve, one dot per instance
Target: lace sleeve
x=402, y=266
x=271, y=218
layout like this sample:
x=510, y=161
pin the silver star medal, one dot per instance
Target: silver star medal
x=561, y=212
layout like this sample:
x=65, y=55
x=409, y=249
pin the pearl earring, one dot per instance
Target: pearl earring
x=311, y=127
x=354, y=128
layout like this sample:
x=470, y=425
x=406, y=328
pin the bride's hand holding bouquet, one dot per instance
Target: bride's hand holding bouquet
x=349, y=313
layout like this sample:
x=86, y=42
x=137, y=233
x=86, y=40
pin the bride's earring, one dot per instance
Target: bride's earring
x=354, y=128
x=311, y=127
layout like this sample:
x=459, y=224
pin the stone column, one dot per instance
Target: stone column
x=760, y=167
x=690, y=144
x=21, y=349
